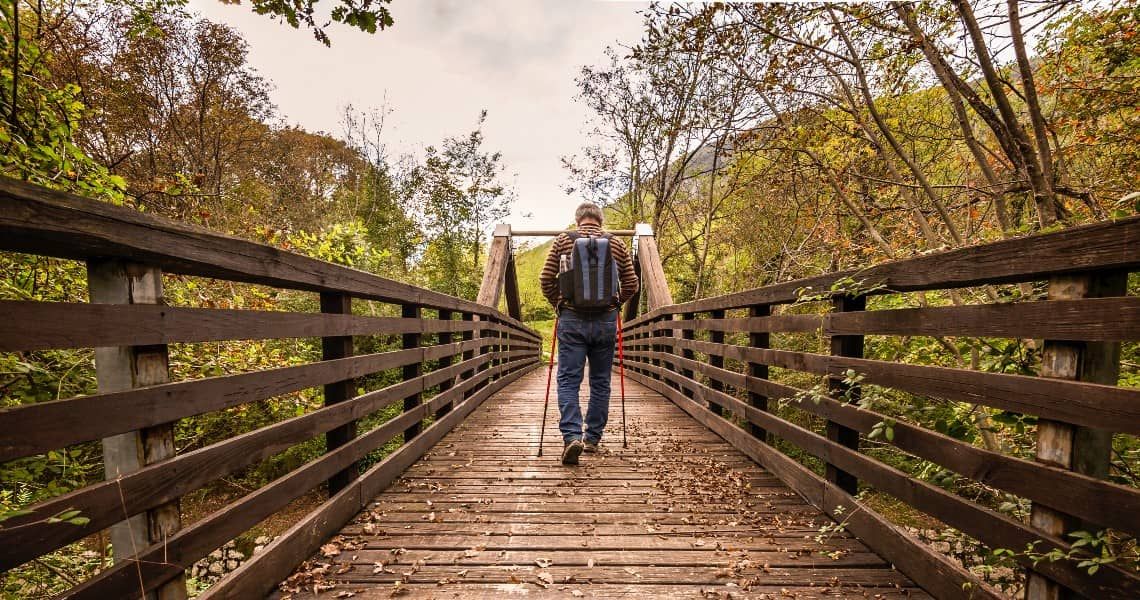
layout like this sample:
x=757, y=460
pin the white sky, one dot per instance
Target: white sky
x=441, y=63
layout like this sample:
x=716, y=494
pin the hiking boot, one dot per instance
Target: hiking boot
x=588, y=446
x=571, y=452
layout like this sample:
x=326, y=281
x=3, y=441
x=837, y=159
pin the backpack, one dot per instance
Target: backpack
x=590, y=281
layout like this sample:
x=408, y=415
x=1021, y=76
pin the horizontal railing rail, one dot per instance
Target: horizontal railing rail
x=447, y=363
x=696, y=355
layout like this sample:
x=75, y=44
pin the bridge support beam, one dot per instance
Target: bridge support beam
x=758, y=339
x=850, y=346
x=1082, y=449
x=333, y=348
x=412, y=371
x=122, y=368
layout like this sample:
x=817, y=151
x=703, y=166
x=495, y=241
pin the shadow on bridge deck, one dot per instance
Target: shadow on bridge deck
x=680, y=513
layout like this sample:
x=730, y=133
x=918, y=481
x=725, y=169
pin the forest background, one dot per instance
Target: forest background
x=763, y=143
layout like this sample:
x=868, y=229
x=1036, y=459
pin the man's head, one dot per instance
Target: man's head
x=588, y=212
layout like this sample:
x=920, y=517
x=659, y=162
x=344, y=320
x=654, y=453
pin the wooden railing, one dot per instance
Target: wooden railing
x=1076, y=400
x=136, y=405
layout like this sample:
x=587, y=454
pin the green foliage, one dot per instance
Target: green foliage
x=37, y=133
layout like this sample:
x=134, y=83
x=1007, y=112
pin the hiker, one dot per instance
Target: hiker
x=587, y=277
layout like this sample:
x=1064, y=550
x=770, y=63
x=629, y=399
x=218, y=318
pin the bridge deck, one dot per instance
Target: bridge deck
x=680, y=513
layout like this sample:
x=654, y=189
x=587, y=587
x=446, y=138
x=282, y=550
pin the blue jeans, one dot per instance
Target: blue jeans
x=583, y=338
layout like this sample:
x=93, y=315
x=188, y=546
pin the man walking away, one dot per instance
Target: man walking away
x=587, y=277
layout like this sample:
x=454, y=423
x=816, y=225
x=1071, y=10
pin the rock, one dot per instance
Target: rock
x=262, y=540
x=236, y=555
x=231, y=565
x=216, y=555
x=257, y=549
x=217, y=568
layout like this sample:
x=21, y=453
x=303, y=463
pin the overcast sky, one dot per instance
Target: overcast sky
x=441, y=63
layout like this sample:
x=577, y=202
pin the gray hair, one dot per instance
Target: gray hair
x=588, y=210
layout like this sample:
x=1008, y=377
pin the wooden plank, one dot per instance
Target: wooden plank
x=48, y=222
x=412, y=371
x=1090, y=498
x=1097, y=319
x=157, y=563
x=27, y=537
x=757, y=339
x=1111, y=245
x=537, y=508
x=47, y=325
x=762, y=323
x=35, y=428
x=1087, y=404
x=716, y=336
x=846, y=346
x=578, y=589
x=991, y=528
x=335, y=348
x=1060, y=444
x=494, y=272
x=514, y=304
x=934, y=572
x=259, y=575
x=444, y=339
x=124, y=368
x=653, y=279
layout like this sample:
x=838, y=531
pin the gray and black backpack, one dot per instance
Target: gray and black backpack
x=590, y=280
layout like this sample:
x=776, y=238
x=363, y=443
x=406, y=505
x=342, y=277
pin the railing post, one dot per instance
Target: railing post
x=444, y=338
x=412, y=371
x=716, y=336
x=688, y=333
x=332, y=348
x=758, y=339
x=124, y=368
x=468, y=336
x=850, y=346
x=1066, y=446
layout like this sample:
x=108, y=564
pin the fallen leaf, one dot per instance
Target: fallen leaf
x=544, y=562
x=330, y=550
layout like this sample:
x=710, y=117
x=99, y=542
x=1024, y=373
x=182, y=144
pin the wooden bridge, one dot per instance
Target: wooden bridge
x=716, y=495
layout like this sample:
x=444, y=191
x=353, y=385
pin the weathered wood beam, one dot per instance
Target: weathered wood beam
x=123, y=368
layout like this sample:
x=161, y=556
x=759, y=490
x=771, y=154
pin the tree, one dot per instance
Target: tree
x=461, y=194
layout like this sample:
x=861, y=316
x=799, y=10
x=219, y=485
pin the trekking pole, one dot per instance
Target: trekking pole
x=549, y=373
x=621, y=378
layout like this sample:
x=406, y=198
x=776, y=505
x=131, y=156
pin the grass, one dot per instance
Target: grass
x=546, y=328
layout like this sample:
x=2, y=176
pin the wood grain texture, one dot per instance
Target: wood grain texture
x=34, y=428
x=47, y=325
x=992, y=528
x=1096, y=500
x=1103, y=246
x=104, y=503
x=1092, y=405
x=161, y=562
x=678, y=515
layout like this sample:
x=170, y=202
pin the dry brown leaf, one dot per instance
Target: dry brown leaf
x=330, y=550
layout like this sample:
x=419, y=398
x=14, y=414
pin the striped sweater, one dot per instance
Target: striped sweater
x=563, y=245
